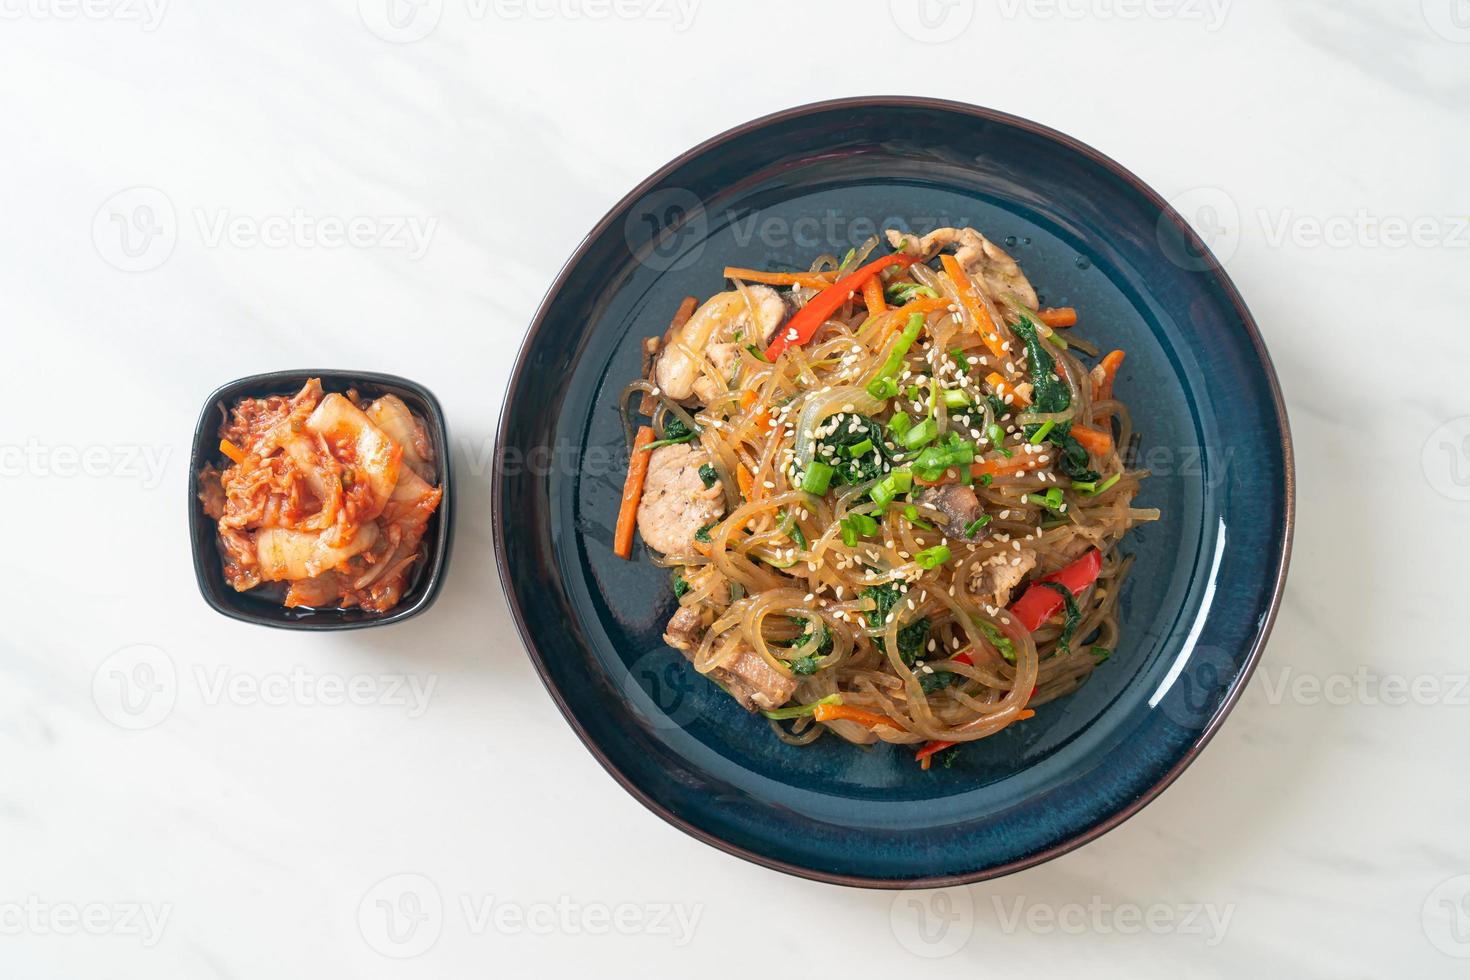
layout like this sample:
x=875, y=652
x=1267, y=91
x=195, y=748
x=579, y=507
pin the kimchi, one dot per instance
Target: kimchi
x=324, y=499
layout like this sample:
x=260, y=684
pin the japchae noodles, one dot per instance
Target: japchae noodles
x=889, y=490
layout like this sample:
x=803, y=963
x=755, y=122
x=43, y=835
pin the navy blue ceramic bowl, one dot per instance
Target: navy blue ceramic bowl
x=773, y=194
x=255, y=606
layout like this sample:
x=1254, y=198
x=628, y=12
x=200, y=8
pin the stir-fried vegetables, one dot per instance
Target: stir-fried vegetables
x=854, y=516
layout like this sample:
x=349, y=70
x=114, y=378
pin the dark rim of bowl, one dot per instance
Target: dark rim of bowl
x=1213, y=266
x=430, y=579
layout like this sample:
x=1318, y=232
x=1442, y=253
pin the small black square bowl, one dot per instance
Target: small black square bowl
x=422, y=588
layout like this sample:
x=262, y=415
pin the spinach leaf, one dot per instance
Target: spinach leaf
x=911, y=638
x=1051, y=394
x=808, y=665
x=1074, y=616
x=937, y=681
x=852, y=431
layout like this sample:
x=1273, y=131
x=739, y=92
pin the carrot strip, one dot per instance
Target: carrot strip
x=632, y=493
x=744, y=478
x=1095, y=441
x=873, y=296
x=971, y=299
x=843, y=712
x=811, y=280
x=231, y=450
x=1018, y=464
x=748, y=398
x=1110, y=365
x=1002, y=388
x=924, y=305
x=1062, y=316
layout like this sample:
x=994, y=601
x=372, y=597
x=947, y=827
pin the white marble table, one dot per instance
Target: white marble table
x=249, y=820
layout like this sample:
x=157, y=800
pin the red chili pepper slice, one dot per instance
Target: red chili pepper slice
x=804, y=323
x=1035, y=607
x=1040, y=603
